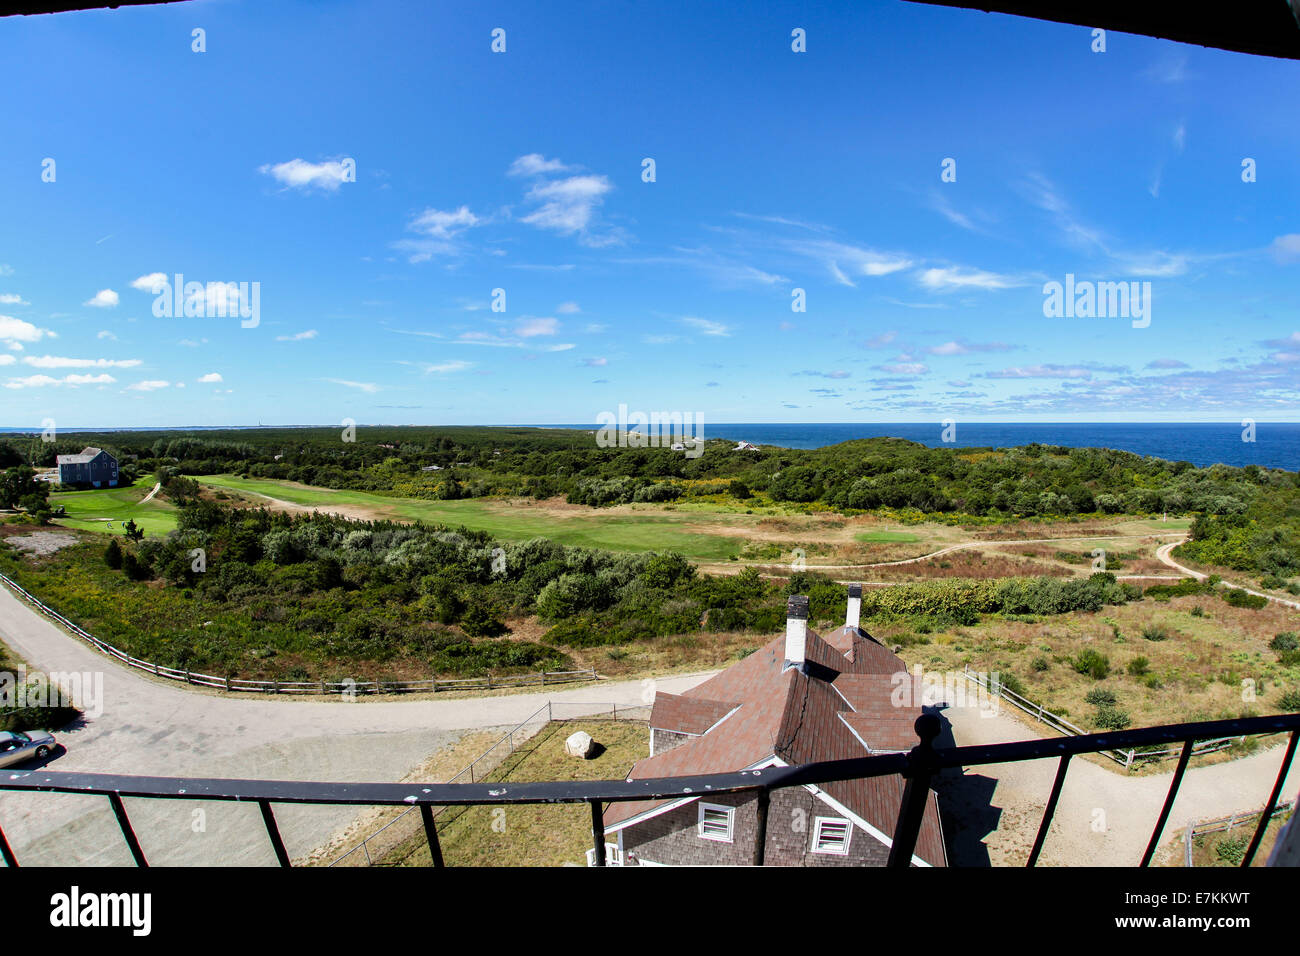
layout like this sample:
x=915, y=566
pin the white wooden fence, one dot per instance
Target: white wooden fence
x=1125, y=758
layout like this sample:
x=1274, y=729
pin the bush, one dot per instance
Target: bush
x=1232, y=849
x=1092, y=663
x=1156, y=632
x=1111, y=718
x=1040, y=664
x=1100, y=697
x=1286, y=641
x=113, y=555
x=1139, y=667
x=1289, y=703
x=1239, y=598
x=481, y=621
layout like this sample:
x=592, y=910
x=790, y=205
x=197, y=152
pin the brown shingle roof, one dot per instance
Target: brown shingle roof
x=796, y=717
x=688, y=715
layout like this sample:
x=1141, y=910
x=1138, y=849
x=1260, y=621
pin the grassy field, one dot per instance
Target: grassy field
x=882, y=537
x=107, y=509
x=534, y=835
x=614, y=531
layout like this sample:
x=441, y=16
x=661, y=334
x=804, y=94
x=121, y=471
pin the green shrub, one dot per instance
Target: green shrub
x=113, y=555
x=1156, y=632
x=1100, y=697
x=1232, y=849
x=1111, y=718
x=1139, y=667
x=1040, y=663
x=1289, y=702
x=1239, y=598
x=1286, y=641
x=1092, y=663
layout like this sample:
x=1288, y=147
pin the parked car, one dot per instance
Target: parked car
x=16, y=747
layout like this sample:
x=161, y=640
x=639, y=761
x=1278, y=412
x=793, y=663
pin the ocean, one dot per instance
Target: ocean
x=1276, y=445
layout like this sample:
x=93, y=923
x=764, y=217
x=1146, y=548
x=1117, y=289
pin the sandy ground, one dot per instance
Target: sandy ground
x=147, y=727
x=43, y=542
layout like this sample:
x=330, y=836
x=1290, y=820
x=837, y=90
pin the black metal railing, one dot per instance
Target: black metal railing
x=918, y=768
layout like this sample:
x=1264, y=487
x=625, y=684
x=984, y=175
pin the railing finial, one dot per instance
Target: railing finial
x=928, y=727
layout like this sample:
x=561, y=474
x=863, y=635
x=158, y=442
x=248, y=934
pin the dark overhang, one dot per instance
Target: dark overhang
x=1263, y=27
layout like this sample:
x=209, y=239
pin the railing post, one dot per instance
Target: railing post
x=273, y=831
x=1183, y=757
x=1050, y=811
x=1272, y=801
x=431, y=833
x=598, y=832
x=124, y=822
x=6, y=851
x=916, y=792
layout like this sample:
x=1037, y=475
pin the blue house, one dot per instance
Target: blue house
x=93, y=467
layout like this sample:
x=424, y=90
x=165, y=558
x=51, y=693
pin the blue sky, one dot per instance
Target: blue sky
x=522, y=171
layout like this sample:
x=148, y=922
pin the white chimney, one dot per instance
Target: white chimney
x=855, y=606
x=796, y=631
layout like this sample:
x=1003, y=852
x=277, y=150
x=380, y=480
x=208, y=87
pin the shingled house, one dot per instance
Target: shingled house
x=93, y=467
x=800, y=699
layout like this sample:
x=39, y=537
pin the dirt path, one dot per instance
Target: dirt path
x=965, y=545
x=1163, y=554
x=149, y=497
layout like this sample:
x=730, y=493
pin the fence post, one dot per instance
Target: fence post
x=543, y=676
x=227, y=683
x=155, y=668
x=1128, y=762
x=187, y=675
x=489, y=680
x=275, y=686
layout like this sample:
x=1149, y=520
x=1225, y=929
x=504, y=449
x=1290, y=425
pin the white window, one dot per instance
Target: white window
x=831, y=835
x=716, y=822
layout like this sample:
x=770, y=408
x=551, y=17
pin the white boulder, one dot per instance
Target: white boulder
x=580, y=745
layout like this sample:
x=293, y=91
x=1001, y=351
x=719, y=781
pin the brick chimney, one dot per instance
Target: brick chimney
x=855, y=606
x=796, y=632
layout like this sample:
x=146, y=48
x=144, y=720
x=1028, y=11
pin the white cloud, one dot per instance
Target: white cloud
x=455, y=365
x=16, y=330
x=904, y=368
x=103, y=299
x=12, y=298
x=58, y=361
x=599, y=362
x=567, y=205
x=300, y=174
x=6, y=269
x=151, y=283
x=364, y=386
x=149, y=385
x=1287, y=248
x=7, y=360
x=535, y=164
x=567, y=308
x=41, y=381
x=444, y=225
x=954, y=278
x=707, y=327
x=531, y=327
x=105, y=334
x=210, y=379
x=297, y=337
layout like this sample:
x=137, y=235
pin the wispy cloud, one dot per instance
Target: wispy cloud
x=300, y=174
x=298, y=336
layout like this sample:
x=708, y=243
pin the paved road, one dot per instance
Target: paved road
x=151, y=727
x=1104, y=817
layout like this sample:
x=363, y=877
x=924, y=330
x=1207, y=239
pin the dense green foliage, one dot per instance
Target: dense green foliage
x=856, y=475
